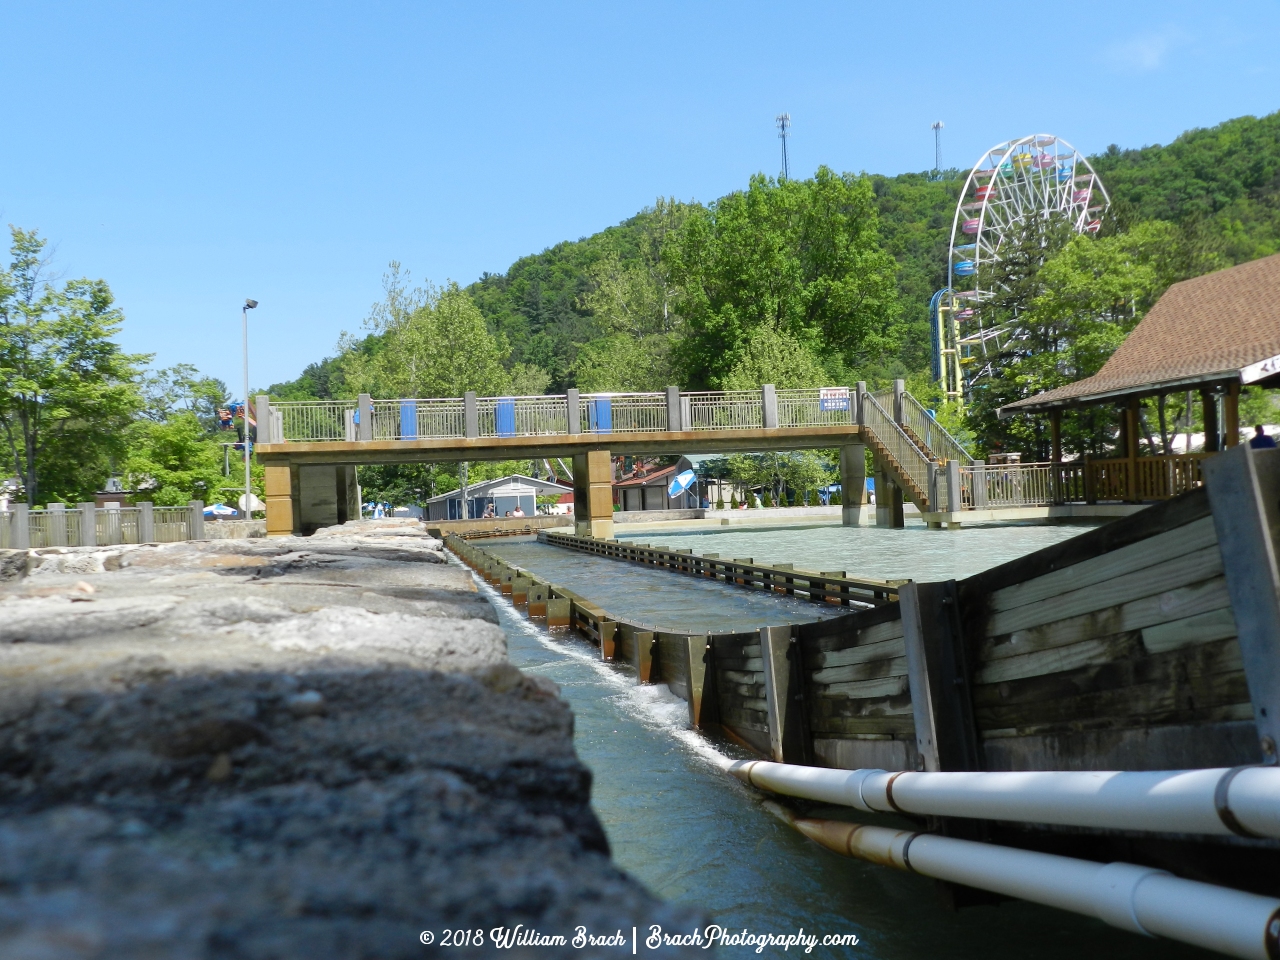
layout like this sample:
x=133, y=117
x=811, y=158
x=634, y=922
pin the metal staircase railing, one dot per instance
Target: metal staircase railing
x=907, y=457
x=938, y=442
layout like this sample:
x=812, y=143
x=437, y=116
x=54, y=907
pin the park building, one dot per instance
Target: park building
x=504, y=495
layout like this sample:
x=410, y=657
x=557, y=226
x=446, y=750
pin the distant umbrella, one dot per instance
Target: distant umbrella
x=681, y=483
x=220, y=510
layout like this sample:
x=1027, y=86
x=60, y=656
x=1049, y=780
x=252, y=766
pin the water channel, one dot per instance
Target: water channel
x=694, y=835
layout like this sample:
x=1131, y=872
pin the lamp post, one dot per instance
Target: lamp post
x=247, y=511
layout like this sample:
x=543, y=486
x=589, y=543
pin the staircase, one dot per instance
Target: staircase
x=910, y=443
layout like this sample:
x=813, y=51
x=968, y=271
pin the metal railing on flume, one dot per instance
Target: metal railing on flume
x=910, y=460
x=815, y=407
x=724, y=410
x=310, y=421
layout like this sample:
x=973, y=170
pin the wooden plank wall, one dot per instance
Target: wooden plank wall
x=1113, y=650
x=739, y=668
x=856, y=690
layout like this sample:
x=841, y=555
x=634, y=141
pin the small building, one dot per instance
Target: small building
x=1210, y=336
x=650, y=489
x=504, y=495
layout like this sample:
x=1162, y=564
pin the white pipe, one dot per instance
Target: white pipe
x=1138, y=899
x=1219, y=801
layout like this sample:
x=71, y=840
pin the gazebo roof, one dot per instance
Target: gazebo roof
x=1220, y=327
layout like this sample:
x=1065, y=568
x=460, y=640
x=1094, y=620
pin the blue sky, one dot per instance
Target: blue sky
x=195, y=154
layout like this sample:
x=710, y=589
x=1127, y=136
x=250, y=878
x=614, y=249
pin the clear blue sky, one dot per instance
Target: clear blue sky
x=195, y=154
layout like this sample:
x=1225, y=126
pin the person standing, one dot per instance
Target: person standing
x=1260, y=440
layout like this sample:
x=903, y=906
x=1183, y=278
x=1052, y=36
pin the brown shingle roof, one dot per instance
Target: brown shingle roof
x=1201, y=331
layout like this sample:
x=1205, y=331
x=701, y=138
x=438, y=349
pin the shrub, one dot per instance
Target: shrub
x=734, y=502
x=768, y=499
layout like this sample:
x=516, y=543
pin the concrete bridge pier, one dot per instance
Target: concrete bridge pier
x=853, y=484
x=888, y=498
x=593, y=495
x=302, y=499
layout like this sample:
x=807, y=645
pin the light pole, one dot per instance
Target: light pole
x=247, y=511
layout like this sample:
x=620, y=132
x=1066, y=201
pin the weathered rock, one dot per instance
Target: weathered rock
x=282, y=748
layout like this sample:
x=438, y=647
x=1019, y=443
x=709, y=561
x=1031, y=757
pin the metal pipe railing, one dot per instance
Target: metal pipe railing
x=1219, y=801
x=1139, y=899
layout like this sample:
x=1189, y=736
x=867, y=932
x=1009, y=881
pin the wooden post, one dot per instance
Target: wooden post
x=645, y=641
x=558, y=611
x=536, y=600
x=1131, y=449
x=783, y=687
x=1209, y=406
x=593, y=495
x=937, y=671
x=608, y=634
x=1244, y=494
x=279, y=493
x=700, y=660
x=1231, y=415
x=1055, y=455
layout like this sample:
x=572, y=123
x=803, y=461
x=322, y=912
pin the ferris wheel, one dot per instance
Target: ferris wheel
x=1014, y=183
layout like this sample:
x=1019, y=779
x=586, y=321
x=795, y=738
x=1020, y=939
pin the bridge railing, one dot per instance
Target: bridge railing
x=623, y=413
x=821, y=407
x=312, y=421
x=933, y=434
x=1002, y=486
x=725, y=410
x=900, y=446
x=85, y=525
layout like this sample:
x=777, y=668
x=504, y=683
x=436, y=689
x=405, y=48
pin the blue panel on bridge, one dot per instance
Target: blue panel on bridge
x=601, y=415
x=504, y=413
x=408, y=420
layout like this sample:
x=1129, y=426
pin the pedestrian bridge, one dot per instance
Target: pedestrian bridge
x=310, y=448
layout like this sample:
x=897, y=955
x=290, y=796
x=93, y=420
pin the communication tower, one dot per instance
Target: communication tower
x=784, y=130
x=937, y=147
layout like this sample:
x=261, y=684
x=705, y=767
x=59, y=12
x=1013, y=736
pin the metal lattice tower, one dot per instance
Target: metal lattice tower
x=937, y=146
x=784, y=130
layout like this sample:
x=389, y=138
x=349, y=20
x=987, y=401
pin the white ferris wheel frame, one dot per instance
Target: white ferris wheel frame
x=1031, y=187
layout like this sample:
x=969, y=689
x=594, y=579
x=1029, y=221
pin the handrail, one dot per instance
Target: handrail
x=932, y=434
x=910, y=460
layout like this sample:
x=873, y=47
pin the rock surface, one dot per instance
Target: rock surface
x=283, y=748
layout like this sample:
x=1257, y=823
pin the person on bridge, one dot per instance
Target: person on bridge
x=1260, y=440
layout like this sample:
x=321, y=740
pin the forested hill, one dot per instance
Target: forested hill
x=598, y=311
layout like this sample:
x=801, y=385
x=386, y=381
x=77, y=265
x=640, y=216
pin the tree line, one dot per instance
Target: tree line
x=824, y=280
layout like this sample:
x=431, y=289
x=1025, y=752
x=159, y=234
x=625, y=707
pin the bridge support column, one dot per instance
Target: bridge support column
x=593, y=495
x=853, y=484
x=888, y=499
x=282, y=519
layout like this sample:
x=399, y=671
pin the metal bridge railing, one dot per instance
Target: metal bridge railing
x=727, y=410
x=310, y=421
x=815, y=407
x=932, y=434
x=1005, y=485
x=622, y=413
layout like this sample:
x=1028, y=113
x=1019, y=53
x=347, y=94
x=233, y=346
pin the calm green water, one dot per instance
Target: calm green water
x=695, y=835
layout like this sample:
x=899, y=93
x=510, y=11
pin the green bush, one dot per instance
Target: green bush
x=733, y=504
x=768, y=499
x=719, y=501
x=836, y=499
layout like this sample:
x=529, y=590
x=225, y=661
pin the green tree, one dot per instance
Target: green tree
x=1065, y=315
x=174, y=460
x=181, y=388
x=624, y=363
x=67, y=391
x=802, y=258
x=770, y=356
x=432, y=343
